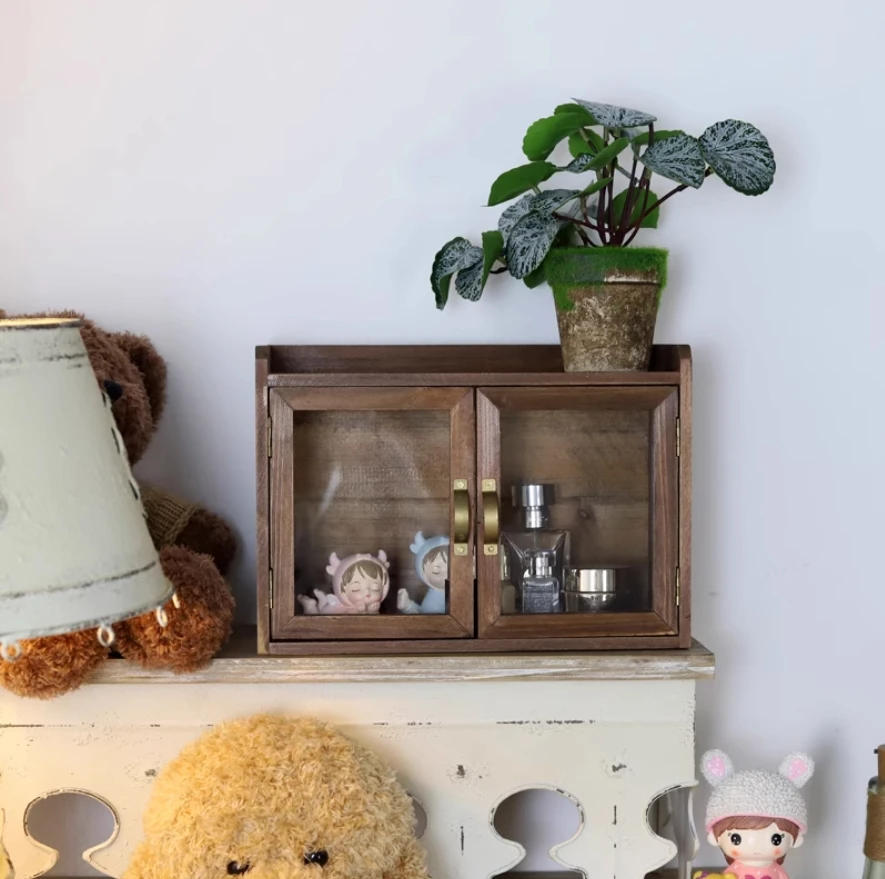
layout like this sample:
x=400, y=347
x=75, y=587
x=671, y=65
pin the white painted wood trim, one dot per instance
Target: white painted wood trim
x=614, y=746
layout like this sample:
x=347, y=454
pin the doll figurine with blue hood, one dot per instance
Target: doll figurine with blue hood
x=432, y=568
x=756, y=817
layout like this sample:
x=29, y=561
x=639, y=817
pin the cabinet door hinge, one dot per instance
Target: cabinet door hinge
x=269, y=437
x=678, y=587
x=678, y=438
x=270, y=583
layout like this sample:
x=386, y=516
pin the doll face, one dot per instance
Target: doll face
x=756, y=848
x=435, y=570
x=362, y=589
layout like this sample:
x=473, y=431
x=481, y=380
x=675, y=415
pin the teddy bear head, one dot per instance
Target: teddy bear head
x=272, y=797
x=132, y=373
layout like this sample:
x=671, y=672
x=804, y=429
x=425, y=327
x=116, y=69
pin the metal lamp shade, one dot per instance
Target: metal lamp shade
x=75, y=551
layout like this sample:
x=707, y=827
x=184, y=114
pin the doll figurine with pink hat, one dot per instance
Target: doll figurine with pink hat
x=360, y=583
x=756, y=816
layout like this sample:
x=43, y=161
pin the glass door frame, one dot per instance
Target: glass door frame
x=662, y=404
x=288, y=625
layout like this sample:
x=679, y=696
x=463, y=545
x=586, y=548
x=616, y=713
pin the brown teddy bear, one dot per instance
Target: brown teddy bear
x=195, y=546
x=266, y=797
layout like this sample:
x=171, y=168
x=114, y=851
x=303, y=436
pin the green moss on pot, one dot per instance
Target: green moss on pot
x=568, y=267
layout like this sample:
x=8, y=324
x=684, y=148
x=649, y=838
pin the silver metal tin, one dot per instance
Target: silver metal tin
x=589, y=590
x=587, y=602
x=590, y=580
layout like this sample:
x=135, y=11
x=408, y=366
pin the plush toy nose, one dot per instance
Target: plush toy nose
x=114, y=391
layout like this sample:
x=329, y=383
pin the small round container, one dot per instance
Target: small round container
x=589, y=590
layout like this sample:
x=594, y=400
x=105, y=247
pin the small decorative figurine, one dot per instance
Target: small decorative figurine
x=756, y=817
x=359, y=584
x=432, y=568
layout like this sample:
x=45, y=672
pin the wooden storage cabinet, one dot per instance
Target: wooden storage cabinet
x=360, y=448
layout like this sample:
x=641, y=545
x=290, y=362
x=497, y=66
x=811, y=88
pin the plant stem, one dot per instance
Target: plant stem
x=537, y=190
x=624, y=223
x=643, y=193
x=576, y=221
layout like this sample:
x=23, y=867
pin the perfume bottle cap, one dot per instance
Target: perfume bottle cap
x=540, y=562
x=533, y=494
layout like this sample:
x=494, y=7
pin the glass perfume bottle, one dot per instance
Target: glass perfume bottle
x=540, y=592
x=521, y=545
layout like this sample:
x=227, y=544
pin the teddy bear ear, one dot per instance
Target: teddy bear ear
x=334, y=561
x=150, y=364
x=717, y=767
x=419, y=539
x=797, y=767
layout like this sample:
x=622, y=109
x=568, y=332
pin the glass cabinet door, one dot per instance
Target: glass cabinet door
x=371, y=493
x=579, y=511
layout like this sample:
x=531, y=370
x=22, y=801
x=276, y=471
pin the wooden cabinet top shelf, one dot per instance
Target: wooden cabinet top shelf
x=240, y=664
x=451, y=365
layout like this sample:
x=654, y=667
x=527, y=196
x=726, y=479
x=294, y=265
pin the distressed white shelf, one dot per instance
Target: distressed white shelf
x=239, y=664
x=613, y=732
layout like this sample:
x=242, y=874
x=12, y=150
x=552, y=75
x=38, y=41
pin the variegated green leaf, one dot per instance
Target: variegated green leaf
x=616, y=117
x=468, y=282
x=575, y=108
x=580, y=164
x=515, y=212
x=455, y=255
x=676, y=158
x=583, y=142
x=516, y=181
x=543, y=135
x=643, y=139
x=615, y=148
x=551, y=200
x=529, y=242
x=546, y=202
x=740, y=154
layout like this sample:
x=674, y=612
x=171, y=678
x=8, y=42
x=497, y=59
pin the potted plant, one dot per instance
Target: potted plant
x=578, y=240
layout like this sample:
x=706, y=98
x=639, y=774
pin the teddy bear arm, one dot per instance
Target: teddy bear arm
x=411, y=865
x=207, y=533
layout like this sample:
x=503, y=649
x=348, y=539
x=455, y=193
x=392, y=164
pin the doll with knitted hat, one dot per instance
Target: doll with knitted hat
x=432, y=567
x=756, y=816
x=360, y=582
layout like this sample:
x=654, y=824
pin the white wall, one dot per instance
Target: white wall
x=221, y=174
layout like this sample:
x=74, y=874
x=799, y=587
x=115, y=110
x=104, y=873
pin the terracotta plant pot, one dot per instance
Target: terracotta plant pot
x=606, y=305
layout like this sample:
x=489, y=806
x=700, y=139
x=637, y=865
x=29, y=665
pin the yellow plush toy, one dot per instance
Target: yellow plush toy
x=270, y=797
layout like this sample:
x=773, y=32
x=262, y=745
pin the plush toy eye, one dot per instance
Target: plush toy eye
x=235, y=868
x=320, y=858
x=114, y=390
x=776, y=839
x=735, y=839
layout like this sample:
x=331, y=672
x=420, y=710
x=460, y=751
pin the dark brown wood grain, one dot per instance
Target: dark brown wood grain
x=509, y=413
x=448, y=365
x=472, y=379
x=473, y=645
x=262, y=464
x=361, y=470
x=664, y=510
x=488, y=466
x=462, y=602
x=684, y=561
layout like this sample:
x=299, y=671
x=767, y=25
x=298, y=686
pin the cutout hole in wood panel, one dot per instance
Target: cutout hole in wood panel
x=540, y=820
x=74, y=824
